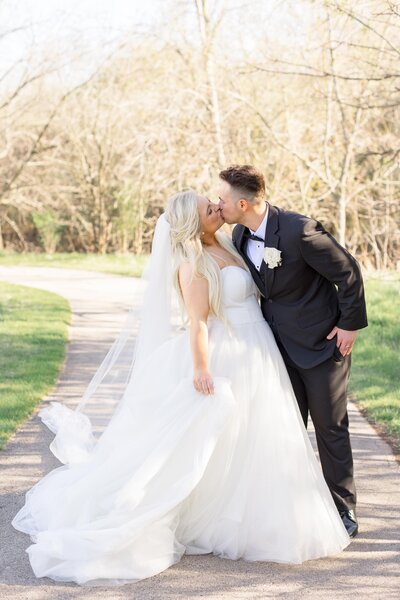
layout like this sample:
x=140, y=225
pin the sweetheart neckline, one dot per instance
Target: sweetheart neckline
x=235, y=267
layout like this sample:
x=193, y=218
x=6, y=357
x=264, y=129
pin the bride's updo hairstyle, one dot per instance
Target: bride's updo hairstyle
x=182, y=213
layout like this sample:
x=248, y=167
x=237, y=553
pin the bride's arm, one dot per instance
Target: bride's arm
x=195, y=297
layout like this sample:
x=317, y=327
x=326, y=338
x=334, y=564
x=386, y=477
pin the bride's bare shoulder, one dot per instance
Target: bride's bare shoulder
x=194, y=290
x=185, y=271
x=187, y=274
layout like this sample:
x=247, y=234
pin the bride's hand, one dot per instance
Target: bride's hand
x=203, y=382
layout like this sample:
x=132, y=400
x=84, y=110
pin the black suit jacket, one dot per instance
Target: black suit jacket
x=319, y=285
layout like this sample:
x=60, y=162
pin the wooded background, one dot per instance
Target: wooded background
x=87, y=162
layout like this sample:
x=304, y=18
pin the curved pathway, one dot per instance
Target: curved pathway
x=369, y=567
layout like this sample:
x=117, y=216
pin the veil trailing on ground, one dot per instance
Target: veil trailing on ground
x=77, y=430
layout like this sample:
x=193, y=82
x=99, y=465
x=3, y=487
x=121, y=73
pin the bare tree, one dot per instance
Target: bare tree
x=208, y=26
x=91, y=165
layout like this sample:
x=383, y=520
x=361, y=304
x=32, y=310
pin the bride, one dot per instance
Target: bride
x=190, y=443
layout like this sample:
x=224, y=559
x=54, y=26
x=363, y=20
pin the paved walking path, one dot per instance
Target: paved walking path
x=368, y=568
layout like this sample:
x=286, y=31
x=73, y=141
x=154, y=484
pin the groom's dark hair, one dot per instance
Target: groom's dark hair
x=246, y=180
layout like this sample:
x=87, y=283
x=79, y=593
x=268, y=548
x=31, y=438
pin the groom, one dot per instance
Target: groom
x=312, y=296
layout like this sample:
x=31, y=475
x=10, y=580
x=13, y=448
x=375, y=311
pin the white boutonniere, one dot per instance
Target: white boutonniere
x=272, y=257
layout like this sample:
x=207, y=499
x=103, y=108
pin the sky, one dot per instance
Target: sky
x=61, y=27
x=68, y=22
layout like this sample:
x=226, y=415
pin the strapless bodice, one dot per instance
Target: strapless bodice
x=238, y=296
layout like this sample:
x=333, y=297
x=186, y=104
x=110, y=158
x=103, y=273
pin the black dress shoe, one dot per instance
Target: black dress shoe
x=350, y=522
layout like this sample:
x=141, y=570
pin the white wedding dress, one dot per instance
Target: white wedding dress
x=178, y=472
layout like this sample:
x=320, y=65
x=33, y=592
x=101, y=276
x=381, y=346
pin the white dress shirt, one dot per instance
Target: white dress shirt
x=255, y=249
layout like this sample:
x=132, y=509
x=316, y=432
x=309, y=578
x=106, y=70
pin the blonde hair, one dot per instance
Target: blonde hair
x=183, y=216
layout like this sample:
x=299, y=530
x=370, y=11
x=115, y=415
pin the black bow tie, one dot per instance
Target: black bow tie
x=251, y=236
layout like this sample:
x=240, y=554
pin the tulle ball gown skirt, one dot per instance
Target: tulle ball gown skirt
x=177, y=472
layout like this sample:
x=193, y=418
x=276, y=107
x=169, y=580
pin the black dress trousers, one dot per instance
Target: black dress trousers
x=321, y=391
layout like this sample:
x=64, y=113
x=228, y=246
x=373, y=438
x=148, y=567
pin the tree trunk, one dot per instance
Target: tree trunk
x=207, y=33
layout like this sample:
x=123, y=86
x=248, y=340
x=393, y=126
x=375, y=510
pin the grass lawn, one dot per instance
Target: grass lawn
x=119, y=264
x=33, y=334
x=375, y=378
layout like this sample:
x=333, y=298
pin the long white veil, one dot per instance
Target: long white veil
x=77, y=430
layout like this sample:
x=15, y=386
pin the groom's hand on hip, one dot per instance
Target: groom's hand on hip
x=345, y=339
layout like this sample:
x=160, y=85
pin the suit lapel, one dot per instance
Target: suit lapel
x=271, y=240
x=241, y=247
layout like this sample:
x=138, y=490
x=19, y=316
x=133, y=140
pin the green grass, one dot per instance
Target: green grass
x=119, y=264
x=375, y=378
x=33, y=335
